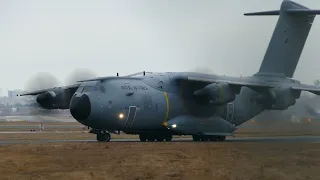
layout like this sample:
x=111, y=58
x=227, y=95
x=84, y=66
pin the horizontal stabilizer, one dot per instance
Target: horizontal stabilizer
x=288, y=11
x=263, y=13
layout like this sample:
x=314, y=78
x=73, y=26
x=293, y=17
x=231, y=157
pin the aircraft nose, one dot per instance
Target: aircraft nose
x=80, y=107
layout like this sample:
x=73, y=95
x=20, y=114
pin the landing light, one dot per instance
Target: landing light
x=174, y=126
x=121, y=116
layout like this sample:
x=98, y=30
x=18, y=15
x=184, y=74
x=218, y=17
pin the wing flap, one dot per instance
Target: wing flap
x=235, y=82
x=258, y=84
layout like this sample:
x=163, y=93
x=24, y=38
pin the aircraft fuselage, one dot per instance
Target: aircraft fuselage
x=127, y=104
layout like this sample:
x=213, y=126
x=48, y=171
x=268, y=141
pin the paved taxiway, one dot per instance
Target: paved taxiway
x=315, y=139
x=37, y=126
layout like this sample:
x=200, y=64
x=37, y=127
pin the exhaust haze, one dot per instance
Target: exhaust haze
x=79, y=74
x=127, y=37
x=61, y=40
x=44, y=80
x=41, y=80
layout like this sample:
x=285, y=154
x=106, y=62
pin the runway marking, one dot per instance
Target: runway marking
x=167, y=109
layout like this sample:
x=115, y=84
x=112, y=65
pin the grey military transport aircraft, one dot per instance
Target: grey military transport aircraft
x=208, y=107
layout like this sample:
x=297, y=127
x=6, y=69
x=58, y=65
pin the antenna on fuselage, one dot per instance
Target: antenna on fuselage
x=144, y=73
x=117, y=74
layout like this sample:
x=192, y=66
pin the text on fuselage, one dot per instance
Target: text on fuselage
x=126, y=87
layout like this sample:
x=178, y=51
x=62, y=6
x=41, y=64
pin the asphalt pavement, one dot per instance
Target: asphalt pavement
x=282, y=139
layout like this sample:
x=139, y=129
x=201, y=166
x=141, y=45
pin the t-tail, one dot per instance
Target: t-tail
x=288, y=39
x=281, y=57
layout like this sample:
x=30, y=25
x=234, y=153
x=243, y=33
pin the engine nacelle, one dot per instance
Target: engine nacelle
x=56, y=99
x=215, y=94
x=279, y=98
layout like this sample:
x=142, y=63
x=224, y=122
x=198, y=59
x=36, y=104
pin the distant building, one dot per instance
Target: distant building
x=12, y=94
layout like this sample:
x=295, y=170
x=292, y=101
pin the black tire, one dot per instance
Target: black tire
x=204, y=138
x=196, y=137
x=221, y=138
x=143, y=137
x=107, y=137
x=99, y=137
x=151, y=138
x=160, y=138
x=213, y=138
x=168, y=138
x=103, y=137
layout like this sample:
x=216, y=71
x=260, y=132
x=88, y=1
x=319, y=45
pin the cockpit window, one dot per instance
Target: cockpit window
x=80, y=89
x=90, y=88
x=87, y=89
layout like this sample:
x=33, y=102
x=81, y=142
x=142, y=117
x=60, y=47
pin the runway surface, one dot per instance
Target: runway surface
x=37, y=126
x=284, y=139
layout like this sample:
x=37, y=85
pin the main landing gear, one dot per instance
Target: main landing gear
x=155, y=137
x=102, y=135
x=208, y=138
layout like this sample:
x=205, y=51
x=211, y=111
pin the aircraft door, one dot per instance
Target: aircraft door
x=131, y=116
x=230, y=112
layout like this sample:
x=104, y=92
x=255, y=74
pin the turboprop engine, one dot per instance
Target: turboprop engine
x=279, y=98
x=215, y=94
x=56, y=99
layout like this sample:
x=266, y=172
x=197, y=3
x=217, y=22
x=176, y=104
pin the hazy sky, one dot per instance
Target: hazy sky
x=127, y=36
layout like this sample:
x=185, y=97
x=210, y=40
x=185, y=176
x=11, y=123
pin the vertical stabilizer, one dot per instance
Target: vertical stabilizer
x=288, y=39
x=281, y=57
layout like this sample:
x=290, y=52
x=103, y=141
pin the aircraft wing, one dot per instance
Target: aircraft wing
x=255, y=83
x=234, y=82
x=73, y=88
x=311, y=88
